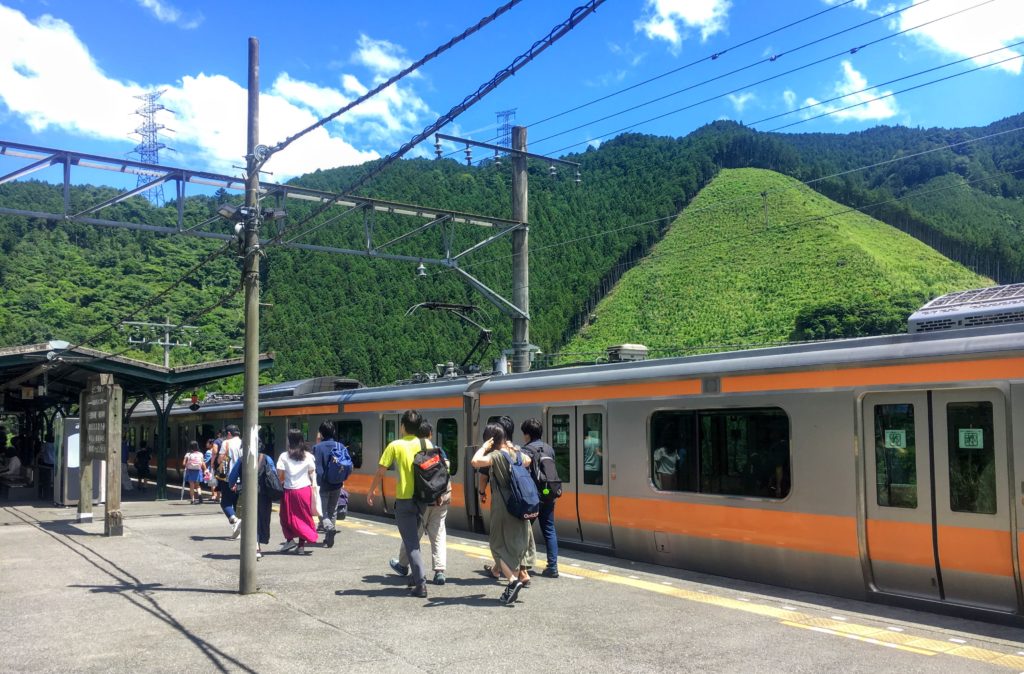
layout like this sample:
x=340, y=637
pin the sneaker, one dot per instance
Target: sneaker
x=301, y=550
x=259, y=555
x=398, y=568
x=511, y=592
x=236, y=528
x=288, y=545
x=550, y=572
x=439, y=578
x=320, y=527
x=329, y=538
x=419, y=591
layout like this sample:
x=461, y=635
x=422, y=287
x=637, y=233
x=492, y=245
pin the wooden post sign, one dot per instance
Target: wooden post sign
x=102, y=429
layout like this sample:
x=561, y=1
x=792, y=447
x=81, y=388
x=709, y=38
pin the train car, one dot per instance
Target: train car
x=879, y=468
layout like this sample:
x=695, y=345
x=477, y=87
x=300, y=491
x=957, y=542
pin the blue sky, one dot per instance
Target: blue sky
x=69, y=70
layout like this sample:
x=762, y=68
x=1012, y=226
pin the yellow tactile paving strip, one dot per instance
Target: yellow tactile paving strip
x=879, y=636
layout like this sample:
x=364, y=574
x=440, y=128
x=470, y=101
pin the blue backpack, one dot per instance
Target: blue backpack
x=339, y=465
x=522, y=500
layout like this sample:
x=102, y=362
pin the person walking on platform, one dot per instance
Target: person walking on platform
x=542, y=456
x=142, y=456
x=270, y=489
x=296, y=469
x=209, y=475
x=510, y=537
x=432, y=522
x=401, y=453
x=326, y=452
x=230, y=453
x=194, y=468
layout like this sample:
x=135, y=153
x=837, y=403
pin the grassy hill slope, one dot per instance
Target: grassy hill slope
x=722, y=275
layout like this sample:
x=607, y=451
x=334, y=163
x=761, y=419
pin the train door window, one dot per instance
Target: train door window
x=895, y=456
x=207, y=432
x=182, y=438
x=446, y=436
x=561, y=442
x=300, y=426
x=389, y=431
x=744, y=452
x=269, y=439
x=350, y=434
x=593, y=448
x=673, y=450
x=972, y=468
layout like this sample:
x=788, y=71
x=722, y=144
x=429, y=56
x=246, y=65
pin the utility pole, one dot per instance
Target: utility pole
x=520, y=254
x=166, y=343
x=251, y=281
x=519, y=310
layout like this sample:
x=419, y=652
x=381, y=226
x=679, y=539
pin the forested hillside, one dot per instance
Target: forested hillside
x=346, y=315
x=737, y=268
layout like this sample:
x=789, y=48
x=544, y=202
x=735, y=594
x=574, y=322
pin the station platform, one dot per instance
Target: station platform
x=163, y=599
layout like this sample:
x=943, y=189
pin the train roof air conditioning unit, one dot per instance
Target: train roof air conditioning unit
x=622, y=353
x=981, y=307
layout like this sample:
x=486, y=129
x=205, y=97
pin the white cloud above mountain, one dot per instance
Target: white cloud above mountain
x=50, y=80
x=165, y=12
x=850, y=91
x=978, y=30
x=674, y=20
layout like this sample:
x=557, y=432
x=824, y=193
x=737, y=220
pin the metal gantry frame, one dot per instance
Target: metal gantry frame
x=446, y=220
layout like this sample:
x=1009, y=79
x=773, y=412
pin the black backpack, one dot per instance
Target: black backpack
x=430, y=475
x=268, y=481
x=544, y=470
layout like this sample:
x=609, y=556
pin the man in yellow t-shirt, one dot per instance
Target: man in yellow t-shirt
x=401, y=452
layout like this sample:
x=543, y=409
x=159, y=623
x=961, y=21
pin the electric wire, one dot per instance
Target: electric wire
x=561, y=30
x=710, y=57
x=395, y=78
x=844, y=52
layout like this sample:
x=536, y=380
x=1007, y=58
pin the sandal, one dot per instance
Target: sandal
x=490, y=569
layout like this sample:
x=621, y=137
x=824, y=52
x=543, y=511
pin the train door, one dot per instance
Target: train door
x=388, y=434
x=578, y=436
x=938, y=524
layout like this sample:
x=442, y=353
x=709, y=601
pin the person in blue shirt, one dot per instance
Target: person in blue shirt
x=329, y=492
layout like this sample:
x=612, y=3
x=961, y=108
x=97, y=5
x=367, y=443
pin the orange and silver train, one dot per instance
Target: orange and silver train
x=880, y=468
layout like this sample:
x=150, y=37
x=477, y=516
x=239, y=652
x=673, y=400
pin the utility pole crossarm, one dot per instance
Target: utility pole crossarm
x=507, y=150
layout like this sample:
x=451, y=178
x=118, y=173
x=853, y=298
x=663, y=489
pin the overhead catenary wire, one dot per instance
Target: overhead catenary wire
x=561, y=30
x=710, y=57
x=819, y=61
x=396, y=77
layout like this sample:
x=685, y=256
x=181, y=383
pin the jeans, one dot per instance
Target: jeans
x=329, y=504
x=433, y=522
x=264, y=506
x=546, y=520
x=228, y=499
x=407, y=517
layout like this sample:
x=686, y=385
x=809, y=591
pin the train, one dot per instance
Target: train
x=878, y=468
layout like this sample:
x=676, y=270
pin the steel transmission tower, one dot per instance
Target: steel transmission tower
x=505, y=118
x=149, y=145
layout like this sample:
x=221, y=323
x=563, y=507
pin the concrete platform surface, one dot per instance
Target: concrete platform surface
x=163, y=599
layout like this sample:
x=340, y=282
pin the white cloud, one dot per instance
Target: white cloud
x=739, y=101
x=972, y=32
x=382, y=57
x=849, y=91
x=789, y=96
x=167, y=13
x=49, y=79
x=671, y=20
x=859, y=4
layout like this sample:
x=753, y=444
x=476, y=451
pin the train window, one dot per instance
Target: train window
x=593, y=448
x=972, y=466
x=389, y=431
x=446, y=436
x=350, y=433
x=744, y=452
x=561, y=442
x=673, y=458
x=895, y=456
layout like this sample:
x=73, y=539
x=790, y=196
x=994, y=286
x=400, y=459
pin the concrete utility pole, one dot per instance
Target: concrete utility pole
x=166, y=343
x=251, y=279
x=520, y=254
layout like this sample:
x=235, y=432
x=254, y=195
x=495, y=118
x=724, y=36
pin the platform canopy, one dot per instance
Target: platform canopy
x=51, y=375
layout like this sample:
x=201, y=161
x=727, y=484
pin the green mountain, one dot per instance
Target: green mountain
x=346, y=315
x=758, y=257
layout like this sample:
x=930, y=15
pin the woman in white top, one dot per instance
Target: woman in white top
x=296, y=469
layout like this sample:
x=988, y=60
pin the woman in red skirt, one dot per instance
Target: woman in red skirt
x=297, y=471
